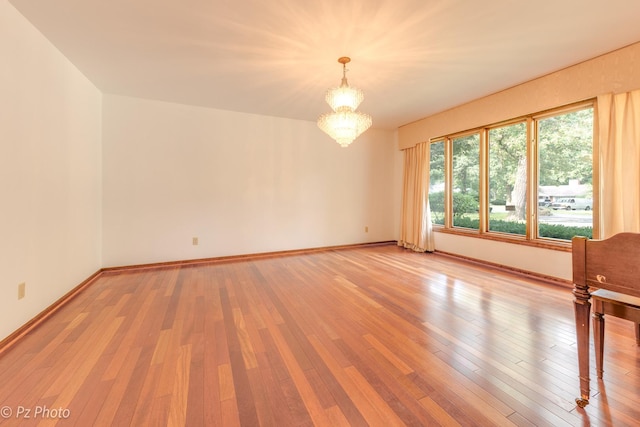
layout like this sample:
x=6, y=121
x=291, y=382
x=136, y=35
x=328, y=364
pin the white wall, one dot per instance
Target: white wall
x=241, y=183
x=49, y=172
x=545, y=262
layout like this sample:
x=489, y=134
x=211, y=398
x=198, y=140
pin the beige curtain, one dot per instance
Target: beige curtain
x=619, y=141
x=415, y=227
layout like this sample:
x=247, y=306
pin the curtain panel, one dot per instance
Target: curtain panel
x=415, y=227
x=619, y=154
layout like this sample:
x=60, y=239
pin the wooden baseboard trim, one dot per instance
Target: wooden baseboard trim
x=9, y=341
x=232, y=258
x=524, y=273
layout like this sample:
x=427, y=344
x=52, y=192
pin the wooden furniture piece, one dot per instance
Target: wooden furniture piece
x=612, y=266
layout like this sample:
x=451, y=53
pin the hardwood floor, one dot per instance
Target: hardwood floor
x=376, y=336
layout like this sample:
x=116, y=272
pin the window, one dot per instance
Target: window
x=508, y=178
x=436, y=182
x=466, y=181
x=565, y=174
x=527, y=179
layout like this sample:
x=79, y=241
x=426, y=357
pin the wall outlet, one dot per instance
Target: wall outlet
x=195, y=241
x=21, y=290
x=366, y=228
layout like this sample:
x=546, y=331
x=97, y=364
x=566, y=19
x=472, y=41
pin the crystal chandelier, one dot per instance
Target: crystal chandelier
x=344, y=124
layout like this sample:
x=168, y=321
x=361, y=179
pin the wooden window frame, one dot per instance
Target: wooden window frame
x=531, y=236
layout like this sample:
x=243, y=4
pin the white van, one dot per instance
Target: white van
x=573, y=203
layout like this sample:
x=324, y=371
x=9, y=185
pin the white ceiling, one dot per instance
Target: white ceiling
x=412, y=58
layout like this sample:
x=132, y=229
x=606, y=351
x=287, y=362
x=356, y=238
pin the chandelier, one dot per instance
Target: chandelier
x=344, y=124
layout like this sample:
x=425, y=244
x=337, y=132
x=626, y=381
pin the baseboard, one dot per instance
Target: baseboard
x=231, y=258
x=6, y=343
x=525, y=273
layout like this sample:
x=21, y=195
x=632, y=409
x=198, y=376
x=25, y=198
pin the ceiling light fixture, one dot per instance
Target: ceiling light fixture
x=344, y=124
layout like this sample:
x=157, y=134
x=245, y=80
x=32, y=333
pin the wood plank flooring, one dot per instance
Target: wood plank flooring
x=376, y=336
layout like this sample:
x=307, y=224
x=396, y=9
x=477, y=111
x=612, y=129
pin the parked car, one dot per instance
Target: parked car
x=573, y=203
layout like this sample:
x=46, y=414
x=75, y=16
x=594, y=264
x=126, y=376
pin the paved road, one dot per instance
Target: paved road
x=567, y=219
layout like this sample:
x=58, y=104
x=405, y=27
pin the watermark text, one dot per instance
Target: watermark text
x=35, y=412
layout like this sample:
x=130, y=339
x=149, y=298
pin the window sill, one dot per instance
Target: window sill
x=556, y=245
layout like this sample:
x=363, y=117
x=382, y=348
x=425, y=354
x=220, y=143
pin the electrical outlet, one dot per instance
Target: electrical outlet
x=195, y=241
x=21, y=290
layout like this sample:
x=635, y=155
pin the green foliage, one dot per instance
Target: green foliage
x=436, y=203
x=437, y=219
x=555, y=231
x=467, y=222
x=466, y=164
x=462, y=204
x=512, y=227
x=566, y=145
x=436, y=162
x=552, y=231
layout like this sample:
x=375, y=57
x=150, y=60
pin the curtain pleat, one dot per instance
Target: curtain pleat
x=619, y=141
x=415, y=228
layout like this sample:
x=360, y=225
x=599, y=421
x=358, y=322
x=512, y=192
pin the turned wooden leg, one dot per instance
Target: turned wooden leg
x=582, y=311
x=598, y=336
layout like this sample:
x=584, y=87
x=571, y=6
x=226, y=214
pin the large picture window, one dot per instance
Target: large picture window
x=466, y=181
x=529, y=179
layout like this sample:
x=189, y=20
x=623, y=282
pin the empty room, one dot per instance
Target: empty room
x=291, y=213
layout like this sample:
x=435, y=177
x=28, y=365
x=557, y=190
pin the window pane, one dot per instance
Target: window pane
x=508, y=179
x=436, y=182
x=565, y=187
x=466, y=182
